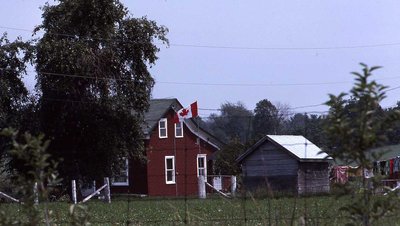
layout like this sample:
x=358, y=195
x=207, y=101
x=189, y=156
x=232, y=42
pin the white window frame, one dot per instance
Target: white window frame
x=181, y=129
x=167, y=170
x=203, y=156
x=124, y=183
x=163, y=128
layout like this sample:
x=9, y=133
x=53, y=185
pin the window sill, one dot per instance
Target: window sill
x=117, y=184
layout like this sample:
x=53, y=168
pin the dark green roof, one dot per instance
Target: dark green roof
x=160, y=107
x=381, y=153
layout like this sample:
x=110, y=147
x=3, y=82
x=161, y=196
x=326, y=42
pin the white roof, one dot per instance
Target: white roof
x=299, y=146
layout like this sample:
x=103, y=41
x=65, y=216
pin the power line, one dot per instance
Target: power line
x=231, y=47
x=209, y=84
x=288, y=48
x=306, y=106
x=391, y=89
x=252, y=84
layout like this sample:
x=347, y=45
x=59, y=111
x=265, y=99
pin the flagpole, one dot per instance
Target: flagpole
x=198, y=130
x=175, y=156
x=176, y=160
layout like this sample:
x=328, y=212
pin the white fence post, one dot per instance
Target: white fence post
x=74, y=199
x=94, y=186
x=36, y=193
x=107, y=190
x=202, y=187
x=233, y=185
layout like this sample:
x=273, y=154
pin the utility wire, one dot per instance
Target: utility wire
x=86, y=76
x=229, y=47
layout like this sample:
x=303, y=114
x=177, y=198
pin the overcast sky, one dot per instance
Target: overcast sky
x=292, y=52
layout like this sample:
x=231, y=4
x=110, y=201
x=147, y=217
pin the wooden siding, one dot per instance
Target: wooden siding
x=313, y=177
x=185, y=151
x=271, y=168
x=269, y=160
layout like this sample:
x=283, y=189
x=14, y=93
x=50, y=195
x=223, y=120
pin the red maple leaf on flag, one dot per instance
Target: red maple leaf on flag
x=184, y=112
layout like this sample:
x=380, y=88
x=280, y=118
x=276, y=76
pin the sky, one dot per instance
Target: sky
x=290, y=52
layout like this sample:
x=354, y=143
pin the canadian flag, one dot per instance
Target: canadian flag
x=185, y=113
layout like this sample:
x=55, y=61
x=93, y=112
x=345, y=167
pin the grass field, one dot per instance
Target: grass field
x=321, y=210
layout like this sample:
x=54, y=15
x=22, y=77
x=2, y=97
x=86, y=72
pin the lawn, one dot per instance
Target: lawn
x=320, y=210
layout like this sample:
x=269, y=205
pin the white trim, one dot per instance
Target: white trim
x=175, y=124
x=166, y=170
x=125, y=183
x=202, y=156
x=166, y=128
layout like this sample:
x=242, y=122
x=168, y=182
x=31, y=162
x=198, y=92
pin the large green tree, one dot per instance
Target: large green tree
x=234, y=122
x=310, y=126
x=268, y=118
x=14, y=56
x=92, y=73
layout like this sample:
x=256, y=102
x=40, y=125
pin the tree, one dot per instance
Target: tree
x=393, y=135
x=354, y=129
x=310, y=126
x=13, y=94
x=268, y=118
x=92, y=72
x=233, y=123
x=225, y=160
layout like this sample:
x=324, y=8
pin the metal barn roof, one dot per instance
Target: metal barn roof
x=299, y=146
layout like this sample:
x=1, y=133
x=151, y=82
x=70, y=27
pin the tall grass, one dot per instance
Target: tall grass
x=321, y=210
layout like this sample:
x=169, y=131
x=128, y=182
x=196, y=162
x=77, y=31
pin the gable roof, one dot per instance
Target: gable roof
x=296, y=145
x=159, y=108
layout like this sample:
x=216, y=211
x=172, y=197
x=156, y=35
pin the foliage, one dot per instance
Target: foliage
x=13, y=95
x=353, y=128
x=79, y=215
x=310, y=126
x=393, y=135
x=266, y=119
x=234, y=122
x=225, y=160
x=30, y=182
x=92, y=66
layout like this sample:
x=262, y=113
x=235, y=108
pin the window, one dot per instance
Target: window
x=169, y=169
x=122, y=178
x=202, y=166
x=162, y=128
x=179, y=129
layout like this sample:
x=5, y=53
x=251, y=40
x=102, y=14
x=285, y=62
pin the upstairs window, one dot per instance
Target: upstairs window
x=169, y=169
x=179, y=129
x=162, y=128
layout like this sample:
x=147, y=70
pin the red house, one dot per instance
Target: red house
x=175, y=155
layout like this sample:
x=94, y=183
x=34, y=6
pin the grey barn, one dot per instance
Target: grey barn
x=285, y=163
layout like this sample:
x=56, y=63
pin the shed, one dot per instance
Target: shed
x=288, y=163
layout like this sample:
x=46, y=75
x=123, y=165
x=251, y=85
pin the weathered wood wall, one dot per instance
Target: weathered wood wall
x=270, y=167
x=313, y=177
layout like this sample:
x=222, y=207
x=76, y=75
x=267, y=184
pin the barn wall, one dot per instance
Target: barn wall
x=313, y=178
x=185, y=152
x=270, y=167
